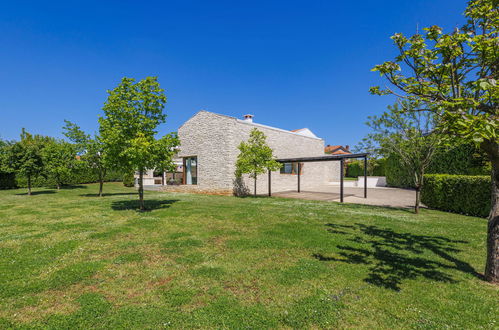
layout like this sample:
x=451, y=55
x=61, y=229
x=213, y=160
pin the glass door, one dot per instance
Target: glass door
x=191, y=170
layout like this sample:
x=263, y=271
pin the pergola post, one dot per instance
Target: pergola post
x=270, y=184
x=342, y=162
x=299, y=170
x=365, y=176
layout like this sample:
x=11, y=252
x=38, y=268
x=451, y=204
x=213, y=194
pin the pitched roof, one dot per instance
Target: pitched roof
x=337, y=150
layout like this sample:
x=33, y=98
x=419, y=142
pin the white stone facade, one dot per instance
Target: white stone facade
x=214, y=138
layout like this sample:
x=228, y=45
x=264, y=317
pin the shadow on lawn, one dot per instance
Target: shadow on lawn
x=109, y=194
x=41, y=192
x=150, y=204
x=393, y=257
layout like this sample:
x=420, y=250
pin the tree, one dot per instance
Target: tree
x=409, y=135
x=25, y=156
x=90, y=150
x=59, y=159
x=132, y=113
x=456, y=75
x=255, y=157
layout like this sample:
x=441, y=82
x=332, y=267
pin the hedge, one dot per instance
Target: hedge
x=78, y=176
x=463, y=194
x=462, y=159
x=355, y=168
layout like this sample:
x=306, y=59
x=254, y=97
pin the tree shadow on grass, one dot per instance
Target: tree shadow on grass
x=41, y=192
x=109, y=194
x=150, y=204
x=394, y=257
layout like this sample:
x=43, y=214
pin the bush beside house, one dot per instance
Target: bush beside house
x=463, y=194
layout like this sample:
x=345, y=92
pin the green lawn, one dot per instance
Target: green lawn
x=69, y=259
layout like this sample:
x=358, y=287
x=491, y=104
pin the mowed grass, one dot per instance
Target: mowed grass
x=69, y=259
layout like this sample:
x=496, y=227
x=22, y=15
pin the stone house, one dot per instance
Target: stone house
x=208, y=153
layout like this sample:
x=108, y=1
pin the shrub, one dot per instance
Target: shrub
x=128, y=180
x=396, y=174
x=463, y=194
x=78, y=176
x=7, y=180
x=355, y=168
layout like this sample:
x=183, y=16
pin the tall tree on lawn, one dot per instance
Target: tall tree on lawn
x=410, y=135
x=456, y=74
x=132, y=113
x=25, y=156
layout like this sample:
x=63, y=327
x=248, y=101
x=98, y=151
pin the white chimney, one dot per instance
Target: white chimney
x=248, y=118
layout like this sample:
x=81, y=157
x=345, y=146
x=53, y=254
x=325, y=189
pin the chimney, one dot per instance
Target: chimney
x=347, y=147
x=248, y=118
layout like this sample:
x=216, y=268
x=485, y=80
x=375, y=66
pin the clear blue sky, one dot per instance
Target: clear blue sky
x=292, y=64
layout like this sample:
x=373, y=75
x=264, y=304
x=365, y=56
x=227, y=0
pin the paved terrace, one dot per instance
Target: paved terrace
x=390, y=197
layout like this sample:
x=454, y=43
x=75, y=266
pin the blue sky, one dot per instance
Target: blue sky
x=292, y=64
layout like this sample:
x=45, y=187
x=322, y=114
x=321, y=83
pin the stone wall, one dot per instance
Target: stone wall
x=214, y=139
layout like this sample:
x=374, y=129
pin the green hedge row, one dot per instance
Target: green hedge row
x=463, y=194
x=78, y=176
x=462, y=159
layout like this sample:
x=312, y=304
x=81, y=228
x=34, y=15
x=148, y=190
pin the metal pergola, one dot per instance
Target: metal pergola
x=325, y=158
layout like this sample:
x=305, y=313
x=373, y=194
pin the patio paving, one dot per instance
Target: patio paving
x=390, y=197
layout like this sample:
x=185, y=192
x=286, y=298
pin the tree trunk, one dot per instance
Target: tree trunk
x=492, y=262
x=418, y=199
x=255, y=185
x=58, y=186
x=29, y=185
x=101, y=182
x=141, y=190
x=102, y=175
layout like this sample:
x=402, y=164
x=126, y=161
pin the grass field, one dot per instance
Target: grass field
x=69, y=259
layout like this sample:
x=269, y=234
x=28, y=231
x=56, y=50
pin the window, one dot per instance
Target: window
x=291, y=168
x=190, y=170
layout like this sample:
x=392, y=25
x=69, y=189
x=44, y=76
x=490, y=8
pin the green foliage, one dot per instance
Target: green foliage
x=455, y=73
x=458, y=193
x=81, y=174
x=132, y=114
x=355, y=168
x=59, y=160
x=463, y=159
x=25, y=156
x=396, y=174
x=128, y=179
x=255, y=156
x=90, y=150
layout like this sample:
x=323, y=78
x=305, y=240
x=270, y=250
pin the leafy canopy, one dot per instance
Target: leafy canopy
x=132, y=113
x=255, y=156
x=454, y=74
x=59, y=159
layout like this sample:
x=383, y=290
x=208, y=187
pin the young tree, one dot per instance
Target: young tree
x=456, y=74
x=90, y=149
x=411, y=136
x=59, y=159
x=255, y=157
x=25, y=156
x=132, y=113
